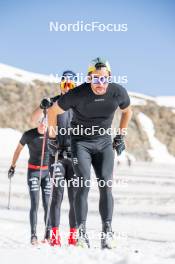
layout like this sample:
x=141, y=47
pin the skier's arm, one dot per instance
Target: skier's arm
x=52, y=118
x=16, y=154
x=125, y=107
x=125, y=117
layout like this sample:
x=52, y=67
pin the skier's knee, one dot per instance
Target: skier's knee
x=82, y=191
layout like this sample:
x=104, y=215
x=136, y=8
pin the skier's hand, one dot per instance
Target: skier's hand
x=52, y=146
x=11, y=172
x=46, y=103
x=119, y=144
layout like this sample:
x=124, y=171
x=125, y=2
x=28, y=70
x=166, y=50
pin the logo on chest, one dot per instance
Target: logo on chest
x=99, y=100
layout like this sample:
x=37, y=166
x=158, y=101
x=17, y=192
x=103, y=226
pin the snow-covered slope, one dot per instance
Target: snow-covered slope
x=17, y=74
x=141, y=96
x=158, y=151
x=23, y=76
x=166, y=101
x=141, y=99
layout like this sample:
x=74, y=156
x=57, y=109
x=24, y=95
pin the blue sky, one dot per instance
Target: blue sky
x=145, y=53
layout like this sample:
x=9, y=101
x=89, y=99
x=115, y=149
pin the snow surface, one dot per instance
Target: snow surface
x=143, y=220
x=137, y=101
x=141, y=96
x=141, y=99
x=158, y=151
x=166, y=101
x=9, y=139
x=23, y=76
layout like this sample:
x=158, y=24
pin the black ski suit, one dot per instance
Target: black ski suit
x=34, y=141
x=93, y=114
x=63, y=172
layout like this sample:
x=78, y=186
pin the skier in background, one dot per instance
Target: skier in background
x=63, y=167
x=33, y=138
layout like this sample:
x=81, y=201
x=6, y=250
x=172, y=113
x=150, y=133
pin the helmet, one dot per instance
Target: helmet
x=69, y=79
x=97, y=64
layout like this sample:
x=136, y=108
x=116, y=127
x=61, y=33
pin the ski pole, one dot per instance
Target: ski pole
x=51, y=193
x=43, y=148
x=9, y=194
x=42, y=155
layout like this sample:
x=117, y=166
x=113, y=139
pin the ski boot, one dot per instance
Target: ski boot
x=47, y=236
x=34, y=239
x=83, y=240
x=55, y=237
x=107, y=240
x=72, y=239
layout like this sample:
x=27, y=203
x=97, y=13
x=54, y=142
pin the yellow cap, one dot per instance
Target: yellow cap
x=98, y=63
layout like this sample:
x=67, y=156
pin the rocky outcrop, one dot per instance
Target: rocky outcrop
x=18, y=100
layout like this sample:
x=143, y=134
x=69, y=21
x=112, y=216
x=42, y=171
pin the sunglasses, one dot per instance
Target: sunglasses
x=100, y=80
x=67, y=85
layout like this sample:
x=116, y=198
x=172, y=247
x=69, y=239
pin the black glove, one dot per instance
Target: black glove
x=11, y=172
x=52, y=146
x=46, y=103
x=119, y=144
